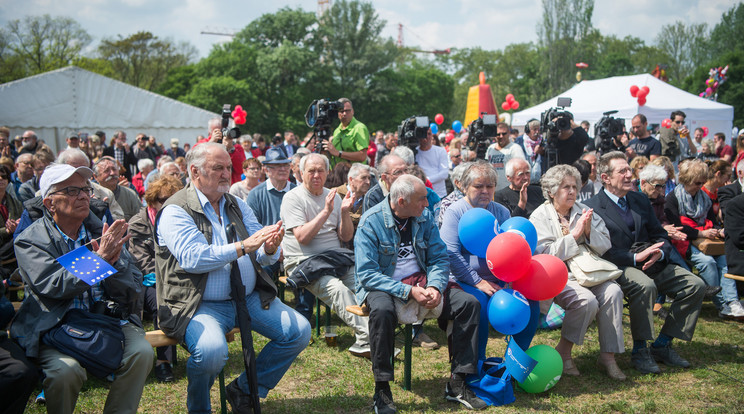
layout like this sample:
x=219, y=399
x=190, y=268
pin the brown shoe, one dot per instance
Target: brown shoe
x=424, y=341
x=612, y=370
x=569, y=368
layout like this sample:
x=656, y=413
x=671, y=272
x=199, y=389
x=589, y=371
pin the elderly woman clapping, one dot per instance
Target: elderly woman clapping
x=563, y=225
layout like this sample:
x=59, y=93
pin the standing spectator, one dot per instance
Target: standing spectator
x=723, y=150
x=289, y=146
x=6, y=149
x=643, y=143
x=739, y=151
x=500, y=152
x=175, y=151
x=143, y=149
x=30, y=143
x=433, y=160
x=455, y=158
x=145, y=167
x=351, y=138
x=24, y=171
x=247, y=144
x=676, y=141
x=121, y=153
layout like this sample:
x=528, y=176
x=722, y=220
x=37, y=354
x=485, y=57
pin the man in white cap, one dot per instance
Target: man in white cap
x=53, y=291
x=175, y=151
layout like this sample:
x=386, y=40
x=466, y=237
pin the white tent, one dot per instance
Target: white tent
x=593, y=97
x=58, y=103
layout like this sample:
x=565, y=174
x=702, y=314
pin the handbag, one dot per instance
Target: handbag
x=590, y=270
x=492, y=383
x=95, y=340
x=709, y=247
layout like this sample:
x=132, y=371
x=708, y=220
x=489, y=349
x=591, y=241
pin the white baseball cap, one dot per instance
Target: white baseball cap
x=56, y=173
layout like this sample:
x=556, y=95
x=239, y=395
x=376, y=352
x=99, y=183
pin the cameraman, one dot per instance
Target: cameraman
x=351, y=138
x=569, y=145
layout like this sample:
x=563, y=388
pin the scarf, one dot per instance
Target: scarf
x=696, y=207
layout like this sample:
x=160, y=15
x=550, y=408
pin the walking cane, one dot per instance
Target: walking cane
x=244, y=323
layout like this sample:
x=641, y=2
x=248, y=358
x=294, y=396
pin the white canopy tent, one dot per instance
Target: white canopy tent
x=65, y=101
x=590, y=99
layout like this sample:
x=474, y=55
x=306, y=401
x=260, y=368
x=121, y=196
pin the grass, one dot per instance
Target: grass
x=330, y=380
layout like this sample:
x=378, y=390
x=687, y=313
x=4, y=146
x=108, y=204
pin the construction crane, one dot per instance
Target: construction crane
x=219, y=31
x=410, y=49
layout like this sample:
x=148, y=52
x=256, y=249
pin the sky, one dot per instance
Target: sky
x=430, y=24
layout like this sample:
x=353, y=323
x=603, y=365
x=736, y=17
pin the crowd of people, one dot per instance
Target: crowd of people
x=197, y=237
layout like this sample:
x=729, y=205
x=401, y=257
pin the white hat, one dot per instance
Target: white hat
x=174, y=142
x=56, y=173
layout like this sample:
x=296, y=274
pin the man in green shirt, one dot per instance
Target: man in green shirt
x=350, y=140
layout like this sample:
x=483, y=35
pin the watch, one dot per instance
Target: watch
x=340, y=153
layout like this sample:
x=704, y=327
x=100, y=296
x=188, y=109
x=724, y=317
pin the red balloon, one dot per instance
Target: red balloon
x=645, y=90
x=641, y=100
x=239, y=120
x=515, y=105
x=505, y=105
x=705, y=132
x=439, y=118
x=666, y=123
x=508, y=256
x=546, y=277
x=634, y=91
x=509, y=98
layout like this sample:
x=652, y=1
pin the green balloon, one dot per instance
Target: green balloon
x=546, y=373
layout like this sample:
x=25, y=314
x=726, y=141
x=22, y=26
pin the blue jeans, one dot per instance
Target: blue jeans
x=712, y=269
x=287, y=330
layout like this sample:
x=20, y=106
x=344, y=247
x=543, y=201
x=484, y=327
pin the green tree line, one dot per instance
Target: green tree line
x=280, y=62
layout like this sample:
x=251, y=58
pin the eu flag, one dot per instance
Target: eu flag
x=87, y=266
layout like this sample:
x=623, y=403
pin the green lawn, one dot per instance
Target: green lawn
x=330, y=380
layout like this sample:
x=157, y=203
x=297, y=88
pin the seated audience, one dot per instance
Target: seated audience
x=562, y=225
x=53, y=291
x=10, y=214
x=666, y=163
x=707, y=151
x=252, y=172
x=729, y=191
x=381, y=275
x=519, y=197
x=390, y=167
x=456, y=193
x=734, y=222
x=640, y=247
x=692, y=209
x=719, y=174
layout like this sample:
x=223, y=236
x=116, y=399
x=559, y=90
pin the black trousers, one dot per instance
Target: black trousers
x=460, y=307
x=18, y=377
x=150, y=306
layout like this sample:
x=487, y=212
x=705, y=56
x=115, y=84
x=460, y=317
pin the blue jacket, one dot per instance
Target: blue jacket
x=376, y=249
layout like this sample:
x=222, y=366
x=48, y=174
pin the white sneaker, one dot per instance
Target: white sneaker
x=732, y=310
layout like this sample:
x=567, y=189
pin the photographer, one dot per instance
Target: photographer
x=568, y=145
x=351, y=138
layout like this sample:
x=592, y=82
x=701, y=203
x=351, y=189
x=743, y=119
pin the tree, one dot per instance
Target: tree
x=727, y=35
x=686, y=46
x=732, y=91
x=142, y=59
x=42, y=43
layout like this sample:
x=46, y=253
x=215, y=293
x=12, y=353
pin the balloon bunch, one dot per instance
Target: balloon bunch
x=508, y=250
x=717, y=77
x=239, y=115
x=510, y=103
x=640, y=93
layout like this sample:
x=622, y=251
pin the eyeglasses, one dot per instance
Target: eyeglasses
x=502, y=134
x=397, y=172
x=73, y=191
x=679, y=122
x=456, y=156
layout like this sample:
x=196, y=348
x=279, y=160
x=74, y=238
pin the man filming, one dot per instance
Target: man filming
x=351, y=138
x=569, y=146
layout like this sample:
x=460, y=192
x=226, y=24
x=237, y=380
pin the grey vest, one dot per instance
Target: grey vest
x=180, y=292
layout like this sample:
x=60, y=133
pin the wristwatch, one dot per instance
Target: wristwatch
x=340, y=153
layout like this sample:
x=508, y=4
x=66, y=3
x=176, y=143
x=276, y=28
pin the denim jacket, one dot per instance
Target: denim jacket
x=376, y=247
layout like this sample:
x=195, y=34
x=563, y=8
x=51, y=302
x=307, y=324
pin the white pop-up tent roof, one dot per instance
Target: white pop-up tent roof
x=61, y=102
x=590, y=99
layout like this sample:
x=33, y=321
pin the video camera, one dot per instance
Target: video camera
x=233, y=132
x=606, y=131
x=553, y=122
x=411, y=130
x=479, y=133
x=319, y=116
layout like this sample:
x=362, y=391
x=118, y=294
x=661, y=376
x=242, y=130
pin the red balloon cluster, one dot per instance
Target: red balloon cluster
x=666, y=123
x=705, y=132
x=510, y=103
x=439, y=118
x=239, y=115
x=640, y=93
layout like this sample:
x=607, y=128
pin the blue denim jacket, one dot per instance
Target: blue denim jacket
x=376, y=251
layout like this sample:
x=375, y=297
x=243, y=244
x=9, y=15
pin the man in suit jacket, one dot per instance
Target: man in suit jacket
x=630, y=219
x=734, y=225
x=727, y=192
x=122, y=154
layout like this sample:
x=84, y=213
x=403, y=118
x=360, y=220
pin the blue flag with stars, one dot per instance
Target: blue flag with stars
x=86, y=265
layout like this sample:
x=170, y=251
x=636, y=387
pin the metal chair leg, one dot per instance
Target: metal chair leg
x=408, y=343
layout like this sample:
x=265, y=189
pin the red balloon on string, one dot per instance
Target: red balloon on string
x=508, y=256
x=545, y=278
x=641, y=101
x=509, y=98
x=645, y=90
x=666, y=123
x=505, y=105
x=439, y=118
x=705, y=132
x=634, y=91
x=515, y=105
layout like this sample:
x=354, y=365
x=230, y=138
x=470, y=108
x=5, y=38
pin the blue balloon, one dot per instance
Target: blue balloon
x=476, y=230
x=524, y=228
x=434, y=128
x=508, y=311
x=457, y=126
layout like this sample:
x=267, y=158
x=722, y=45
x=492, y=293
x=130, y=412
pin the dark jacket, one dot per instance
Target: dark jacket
x=726, y=193
x=335, y=262
x=51, y=289
x=180, y=292
x=734, y=240
x=142, y=243
x=130, y=161
x=647, y=227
